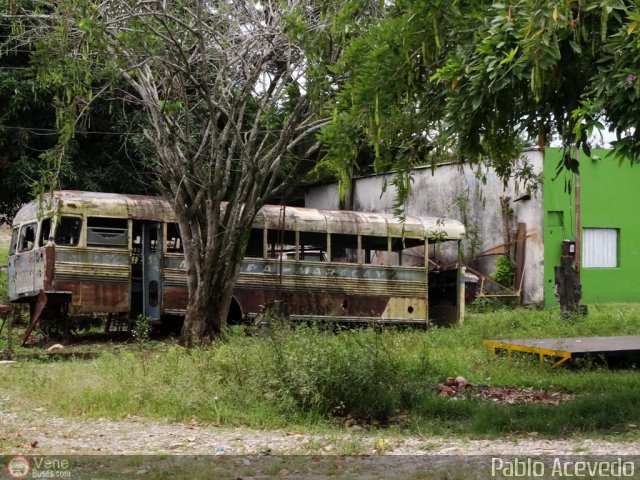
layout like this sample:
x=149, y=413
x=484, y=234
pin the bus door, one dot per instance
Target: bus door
x=146, y=273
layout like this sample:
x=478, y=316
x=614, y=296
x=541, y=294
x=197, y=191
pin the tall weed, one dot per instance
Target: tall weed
x=367, y=375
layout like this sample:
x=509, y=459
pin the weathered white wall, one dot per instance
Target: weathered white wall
x=439, y=193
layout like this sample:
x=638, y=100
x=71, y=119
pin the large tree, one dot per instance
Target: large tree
x=230, y=116
x=542, y=70
x=474, y=81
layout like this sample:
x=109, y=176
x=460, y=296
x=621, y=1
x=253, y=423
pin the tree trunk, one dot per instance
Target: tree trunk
x=205, y=317
x=212, y=261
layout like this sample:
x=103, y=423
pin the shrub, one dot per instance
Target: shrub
x=504, y=271
x=492, y=304
x=359, y=374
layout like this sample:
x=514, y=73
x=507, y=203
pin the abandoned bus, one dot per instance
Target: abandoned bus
x=120, y=256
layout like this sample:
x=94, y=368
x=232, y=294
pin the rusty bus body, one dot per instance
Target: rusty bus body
x=87, y=253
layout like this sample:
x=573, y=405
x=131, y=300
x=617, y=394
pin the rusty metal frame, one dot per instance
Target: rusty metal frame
x=484, y=278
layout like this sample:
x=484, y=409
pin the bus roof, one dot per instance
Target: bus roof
x=270, y=216
x=358, y=223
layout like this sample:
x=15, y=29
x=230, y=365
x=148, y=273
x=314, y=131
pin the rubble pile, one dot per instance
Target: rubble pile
x=455, y=387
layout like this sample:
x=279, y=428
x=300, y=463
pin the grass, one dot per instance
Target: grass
x=311, y=380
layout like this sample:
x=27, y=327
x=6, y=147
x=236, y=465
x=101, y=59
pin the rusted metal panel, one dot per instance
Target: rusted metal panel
x=318, y=287
x=98, y=204
x=101, y=297
x=344, y=222
x=30, y=272
x=93, y=265
x=95, y=297
x=36, y=307
x=74, y=289
x=174, y=298
x=149, y=208
x=98, y=280
x=317, y=303
x=90, y=204
x=371, y=224
x=412, y=227
x=349, y=278
x=270, y=216
x=406, y=307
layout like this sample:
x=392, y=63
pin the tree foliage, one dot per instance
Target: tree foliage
x=105, y=153
x=536, y=70
x=474, y=81
x=386, y=96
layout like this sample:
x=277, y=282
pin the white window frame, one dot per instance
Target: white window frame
x=600, y=247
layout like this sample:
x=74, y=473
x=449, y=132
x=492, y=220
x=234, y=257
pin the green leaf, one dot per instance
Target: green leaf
x=476, y=101
x=575, y=47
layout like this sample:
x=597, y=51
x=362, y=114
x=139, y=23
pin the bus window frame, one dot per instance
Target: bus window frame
x=393, y=248
x=42, y=242
x=107, y=236
x=173, y=244
x=23, y=228
x=13, y=246
x=58, y=224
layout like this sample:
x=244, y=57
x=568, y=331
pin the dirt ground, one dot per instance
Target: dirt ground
x=39, y=433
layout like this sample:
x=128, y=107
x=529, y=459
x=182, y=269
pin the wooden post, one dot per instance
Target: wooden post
x=426, y=279
x=506, y=230
x=460, y=286
x=521, y=243
x=568, y=287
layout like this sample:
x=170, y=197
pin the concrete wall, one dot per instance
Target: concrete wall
x=465, y=194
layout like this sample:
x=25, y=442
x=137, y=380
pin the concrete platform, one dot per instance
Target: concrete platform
x=563, y=349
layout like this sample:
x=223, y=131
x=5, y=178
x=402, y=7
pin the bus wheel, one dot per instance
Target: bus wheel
x=234, y=317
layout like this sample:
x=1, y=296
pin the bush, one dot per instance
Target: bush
x=504, y=272
x=492, y=304
x=359, y=374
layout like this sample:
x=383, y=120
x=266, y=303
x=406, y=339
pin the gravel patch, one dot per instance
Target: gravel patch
x=37, y=432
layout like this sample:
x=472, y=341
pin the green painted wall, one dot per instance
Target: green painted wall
x=609, y=197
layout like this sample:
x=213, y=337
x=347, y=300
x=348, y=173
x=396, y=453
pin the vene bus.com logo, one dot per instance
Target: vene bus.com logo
x=38, y=467
x=19, y=467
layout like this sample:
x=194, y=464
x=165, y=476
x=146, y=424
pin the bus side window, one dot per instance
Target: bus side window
x=174, y=240
x=68, y=231
x=153, y=239
x=255, y=243
x=27, y=237
x=14, y=241
x=45, y=231
x=107, y=232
